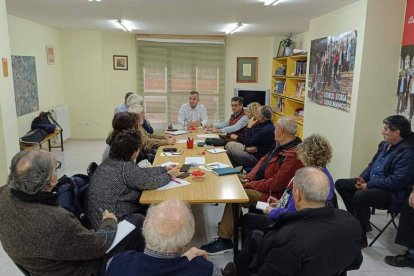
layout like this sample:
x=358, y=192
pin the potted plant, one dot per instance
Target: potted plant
x=287, y=43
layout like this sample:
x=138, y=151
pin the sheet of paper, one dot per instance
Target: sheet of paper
x=169, y=163
x=123, y=229
x=216, y=150
x=183, y=141
x=169, y=154
x=260, y=205
x=195, y=160
x=174, y=184
x=177, y=132
x=210, y=135
x=215, y=165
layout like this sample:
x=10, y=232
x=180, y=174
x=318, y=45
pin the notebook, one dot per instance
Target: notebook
x=225, y=171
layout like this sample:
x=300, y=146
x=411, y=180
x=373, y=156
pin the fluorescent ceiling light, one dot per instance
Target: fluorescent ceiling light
x=234, y=28
x=126, y=26
x=273, y=2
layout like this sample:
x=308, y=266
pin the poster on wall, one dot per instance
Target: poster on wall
x=331, y=70
x=25, y=84
x=405, y=86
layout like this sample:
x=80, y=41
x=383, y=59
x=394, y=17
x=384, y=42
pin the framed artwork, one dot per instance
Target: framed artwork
x=281, y=50
x=120, y=62
x=247, y=69
x=50, y=54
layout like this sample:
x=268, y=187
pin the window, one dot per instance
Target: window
x=167, y=72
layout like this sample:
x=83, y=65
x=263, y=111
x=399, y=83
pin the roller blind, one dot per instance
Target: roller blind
x=167, y=72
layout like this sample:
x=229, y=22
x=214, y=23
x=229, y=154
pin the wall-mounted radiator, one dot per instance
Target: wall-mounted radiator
x=61, y=115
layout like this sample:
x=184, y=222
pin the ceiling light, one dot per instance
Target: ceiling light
x=235, y=28
x=124, y=25
x=95, y=0
x=273, y=2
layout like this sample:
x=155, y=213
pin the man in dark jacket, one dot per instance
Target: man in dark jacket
x=258, y=140
x=315, y=240
x=387, y=180
x=36, y=233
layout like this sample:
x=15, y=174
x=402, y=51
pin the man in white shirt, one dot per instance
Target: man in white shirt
x=192, y=114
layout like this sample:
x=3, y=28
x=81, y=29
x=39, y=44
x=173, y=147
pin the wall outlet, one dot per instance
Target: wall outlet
x=83, y=123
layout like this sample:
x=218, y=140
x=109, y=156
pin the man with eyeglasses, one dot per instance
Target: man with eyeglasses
x=388, y=179
x=37, y=234
x=237, y=122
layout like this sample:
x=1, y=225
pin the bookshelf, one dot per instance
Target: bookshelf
x=288, y=90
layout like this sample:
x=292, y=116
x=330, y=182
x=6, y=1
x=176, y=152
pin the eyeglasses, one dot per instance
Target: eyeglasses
x=58, y=165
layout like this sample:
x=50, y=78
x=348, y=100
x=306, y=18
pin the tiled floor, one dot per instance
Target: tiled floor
x=78, y=154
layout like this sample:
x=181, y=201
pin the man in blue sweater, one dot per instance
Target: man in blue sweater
x=166, y=234
x=388, y=179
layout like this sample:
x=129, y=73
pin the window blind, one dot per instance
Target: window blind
x=167, y=72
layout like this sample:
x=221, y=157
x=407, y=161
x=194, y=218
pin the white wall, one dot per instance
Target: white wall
x=354, y=135
x=92, y=88
x=30, y=39
x=8, y=119
x=261, y=47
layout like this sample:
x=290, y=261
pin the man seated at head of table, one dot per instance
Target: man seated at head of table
x=270, y=176
x=237, y=122
x=192, y=114
x=167, y=234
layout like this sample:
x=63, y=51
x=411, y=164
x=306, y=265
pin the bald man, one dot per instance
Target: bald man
x=166, y=234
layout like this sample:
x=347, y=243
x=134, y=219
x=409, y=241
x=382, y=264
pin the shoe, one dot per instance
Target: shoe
x=400, y=261
x=229, y=269
x=218, y=246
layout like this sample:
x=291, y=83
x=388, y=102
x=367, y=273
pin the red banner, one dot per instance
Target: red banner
x=408, y=34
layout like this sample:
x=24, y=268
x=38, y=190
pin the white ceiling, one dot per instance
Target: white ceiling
x=196, y=17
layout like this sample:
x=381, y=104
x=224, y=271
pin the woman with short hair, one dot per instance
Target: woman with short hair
x=118, y=182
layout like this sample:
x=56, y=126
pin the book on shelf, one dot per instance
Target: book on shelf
x=300, y=68
x=281, y=105
x=300, y=89
x=280, y=87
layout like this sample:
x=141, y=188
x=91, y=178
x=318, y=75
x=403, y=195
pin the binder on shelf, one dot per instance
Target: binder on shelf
x=225, y=171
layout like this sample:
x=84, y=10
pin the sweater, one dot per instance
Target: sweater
x=261, y=136
x=132, y=263
x=117, y=186
x=48, y=240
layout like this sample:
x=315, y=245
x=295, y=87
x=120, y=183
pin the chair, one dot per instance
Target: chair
x=394, y=215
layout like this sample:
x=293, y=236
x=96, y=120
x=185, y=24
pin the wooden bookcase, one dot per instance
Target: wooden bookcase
x=288, y=91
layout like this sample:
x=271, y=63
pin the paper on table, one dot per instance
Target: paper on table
x=207, y=136
x=216, y=150
x=215, y=165
x=171, y=153
x=123, y=229
x=169, y=163
x=260, y=205
x=177, y=132
x=174, y=184
x=195, y=160
x=183, y=141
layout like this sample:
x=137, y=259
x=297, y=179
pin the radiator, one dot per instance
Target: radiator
x=61, y=115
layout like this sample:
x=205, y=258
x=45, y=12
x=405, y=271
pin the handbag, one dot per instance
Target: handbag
x=34, y=136
x=215, y=142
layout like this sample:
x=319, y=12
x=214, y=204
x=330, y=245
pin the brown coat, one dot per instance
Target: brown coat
x=48, y=240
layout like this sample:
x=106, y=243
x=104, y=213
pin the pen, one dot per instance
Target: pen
x=176, y=181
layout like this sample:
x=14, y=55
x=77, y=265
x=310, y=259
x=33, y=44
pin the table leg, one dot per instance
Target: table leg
x=236, y=216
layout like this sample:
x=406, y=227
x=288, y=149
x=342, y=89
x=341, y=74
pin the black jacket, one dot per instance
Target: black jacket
x=322, y=241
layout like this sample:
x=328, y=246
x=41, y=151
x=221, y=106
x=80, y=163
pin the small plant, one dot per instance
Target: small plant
x=288, y=41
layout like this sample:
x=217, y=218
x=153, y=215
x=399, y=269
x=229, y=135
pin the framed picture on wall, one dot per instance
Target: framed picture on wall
x=120, y=62
x=50, y=54
x=247, y=69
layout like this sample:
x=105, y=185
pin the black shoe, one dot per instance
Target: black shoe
x=218, y=246
x=400, y=260
x=229, y=269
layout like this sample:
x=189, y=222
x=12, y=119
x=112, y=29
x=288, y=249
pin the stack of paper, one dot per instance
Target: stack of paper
x=195, y=160
x=215, y=165
x=218, y=150
x=174, y=184
x=177, y=132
